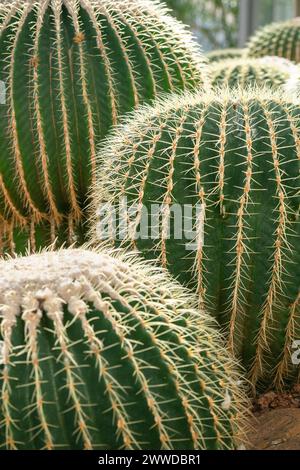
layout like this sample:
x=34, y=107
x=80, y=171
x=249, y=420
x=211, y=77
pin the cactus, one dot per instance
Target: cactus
x=225, y=54
x=278, y=39
x=236, y=153
x=100, y=350
x=262, y=72
x=68, y=71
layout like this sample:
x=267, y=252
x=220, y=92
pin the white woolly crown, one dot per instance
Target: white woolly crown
x=51, y=268
x=48, y=280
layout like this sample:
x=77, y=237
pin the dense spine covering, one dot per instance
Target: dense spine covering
x=220, y=55
x=266, y=71
x=100, y=351
x=278, y=39
x=237, y=154
x=70, y=69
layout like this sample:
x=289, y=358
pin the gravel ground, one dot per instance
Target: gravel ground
x=276, y=421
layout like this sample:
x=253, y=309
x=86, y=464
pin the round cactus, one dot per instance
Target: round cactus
x=234, y=156
x=100, y=350
x=68, y=71
x=262, y=72
x=278, y=39
x=224, y=54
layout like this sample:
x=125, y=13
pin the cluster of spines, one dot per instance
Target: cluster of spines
x=245, y=72
x=53, y=51
x=237, y=154
x=278, y=39
x=90, y=342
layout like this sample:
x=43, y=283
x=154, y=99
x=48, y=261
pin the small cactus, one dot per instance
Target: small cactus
x=100, y=351
x=261, y=72
x=70, y=69
x=236, y=153
x=278, y=39
x=224, y=54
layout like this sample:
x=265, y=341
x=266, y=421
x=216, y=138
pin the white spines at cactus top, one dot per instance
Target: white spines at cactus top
x=100, y=350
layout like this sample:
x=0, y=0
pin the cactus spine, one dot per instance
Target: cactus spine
x=225, y=54
x=71, y=69
x=267, y=71
x=278, y=39
x=102, y=351
x=237, y=154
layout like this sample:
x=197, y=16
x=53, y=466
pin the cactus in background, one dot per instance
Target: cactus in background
x=224, y=54
x=100, y=350
x=237, y=155
x=68, y=71
x=261, y=72
x=278, y=39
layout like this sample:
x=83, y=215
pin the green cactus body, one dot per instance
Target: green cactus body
x=266, y=71
x=278, y=39
x=68, y=71
x=237, y=155
x=100, y=350
x=225, y=54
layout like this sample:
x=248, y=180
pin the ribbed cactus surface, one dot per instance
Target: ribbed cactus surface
x=100, y=351
x=68, y=71
x=280, y=39
x=267, y=71
x=220, y=55
x=235, y=155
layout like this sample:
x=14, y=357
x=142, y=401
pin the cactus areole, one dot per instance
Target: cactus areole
x=236, y=154
x=68, y=71
x=101, y=351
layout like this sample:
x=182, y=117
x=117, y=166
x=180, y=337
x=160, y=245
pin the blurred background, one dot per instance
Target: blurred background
x=229, y=23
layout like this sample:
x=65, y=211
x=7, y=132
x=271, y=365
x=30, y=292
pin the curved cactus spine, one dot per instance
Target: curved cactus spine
x=266, y=71
x=237, y=154
x=225, y=54
x=278, y=39
x=70, y=70
x=100, y=350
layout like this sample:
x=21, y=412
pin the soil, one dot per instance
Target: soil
x=276, y=421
